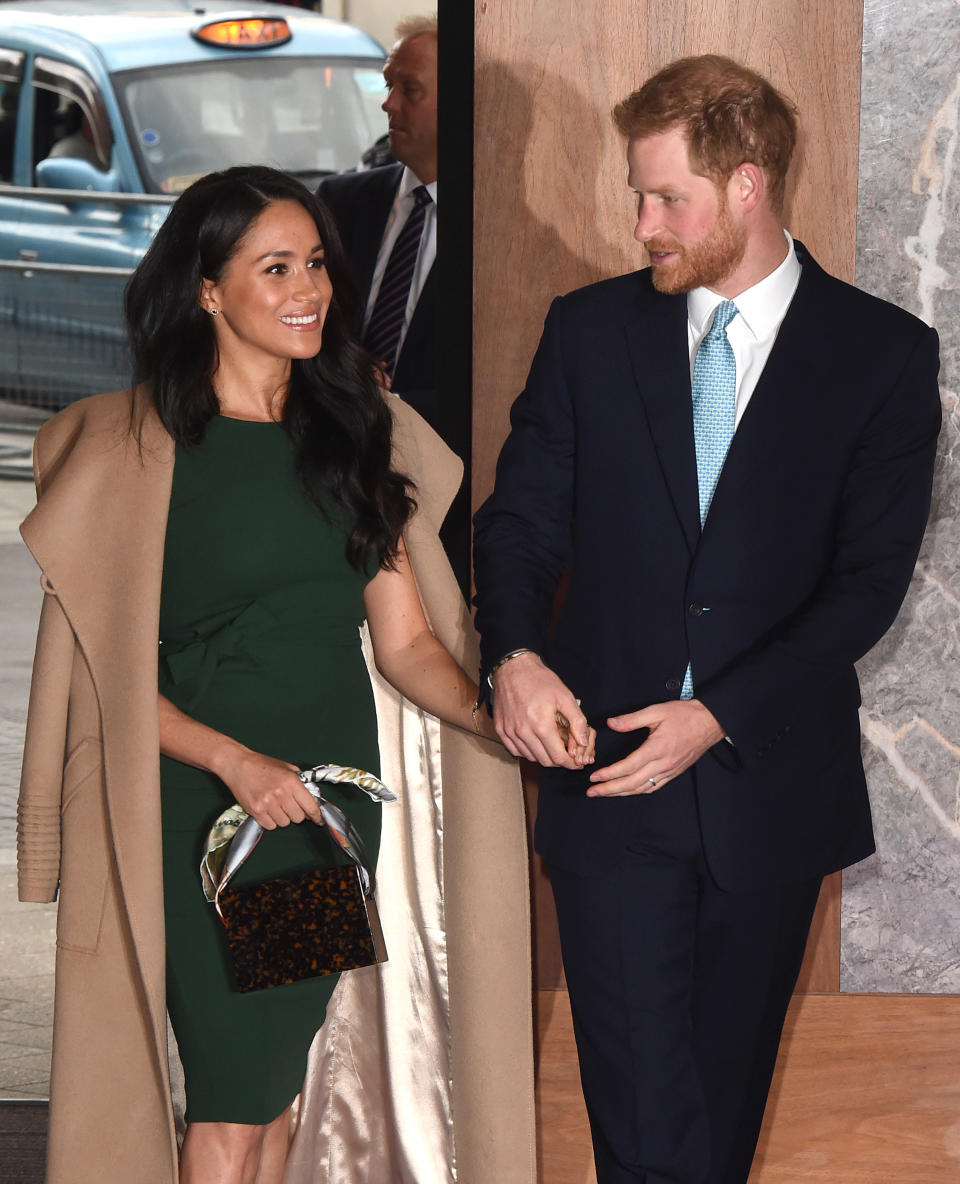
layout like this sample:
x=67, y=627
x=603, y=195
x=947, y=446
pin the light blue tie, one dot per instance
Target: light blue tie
x=714, y=393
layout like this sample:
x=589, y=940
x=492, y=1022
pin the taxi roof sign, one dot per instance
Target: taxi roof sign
x=244, y=32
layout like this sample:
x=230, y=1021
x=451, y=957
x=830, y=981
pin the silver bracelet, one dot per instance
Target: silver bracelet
x=503, y=661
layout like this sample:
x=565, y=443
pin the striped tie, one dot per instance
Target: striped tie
x=714, y=392
x=386, y=320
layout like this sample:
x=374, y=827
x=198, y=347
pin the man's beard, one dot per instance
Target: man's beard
x=704, y=264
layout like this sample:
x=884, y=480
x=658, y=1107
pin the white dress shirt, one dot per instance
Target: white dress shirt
x=403, y=205
x=752, y=333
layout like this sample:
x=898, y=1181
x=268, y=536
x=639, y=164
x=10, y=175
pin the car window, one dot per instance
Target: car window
x=307, y=116
x=11, y=74
x=62, y=129
x=69, y=116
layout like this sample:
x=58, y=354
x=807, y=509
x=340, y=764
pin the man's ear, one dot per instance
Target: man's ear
x=746, y=186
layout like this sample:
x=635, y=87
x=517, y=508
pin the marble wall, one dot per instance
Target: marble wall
x=901, y=909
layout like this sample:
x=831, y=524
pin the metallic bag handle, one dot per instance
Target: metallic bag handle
x=234, y=835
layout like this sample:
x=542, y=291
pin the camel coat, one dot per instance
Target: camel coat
x=89, y=827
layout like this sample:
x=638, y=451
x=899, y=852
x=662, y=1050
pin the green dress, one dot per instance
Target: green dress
x=259, y=639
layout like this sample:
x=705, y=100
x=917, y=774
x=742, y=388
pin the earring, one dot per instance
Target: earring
x=214, y=312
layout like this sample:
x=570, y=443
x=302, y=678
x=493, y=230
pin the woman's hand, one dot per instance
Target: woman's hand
x=268, y=789
x=582, y=754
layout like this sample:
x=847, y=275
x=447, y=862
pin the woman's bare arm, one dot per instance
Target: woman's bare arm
x=414, y=661
x=409, y=656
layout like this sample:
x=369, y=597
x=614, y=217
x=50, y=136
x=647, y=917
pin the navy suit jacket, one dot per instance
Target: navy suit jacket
x=361, y=204
x=801, y=567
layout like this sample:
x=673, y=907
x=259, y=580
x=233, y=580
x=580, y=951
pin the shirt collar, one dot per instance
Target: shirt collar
x=762, y=307
x=409, y=181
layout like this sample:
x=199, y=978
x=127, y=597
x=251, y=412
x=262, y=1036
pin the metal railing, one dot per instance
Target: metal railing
x=29, y=265
x=83, y=196
x=61, y=323
x=61, y=332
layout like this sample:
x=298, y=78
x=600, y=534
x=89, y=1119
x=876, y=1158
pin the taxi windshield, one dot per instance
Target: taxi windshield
x=307, y=116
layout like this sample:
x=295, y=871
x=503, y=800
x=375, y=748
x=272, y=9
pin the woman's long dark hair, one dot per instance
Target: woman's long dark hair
x=334, y=411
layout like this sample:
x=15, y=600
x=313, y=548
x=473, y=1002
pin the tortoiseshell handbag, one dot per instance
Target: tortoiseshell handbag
x=304, y=925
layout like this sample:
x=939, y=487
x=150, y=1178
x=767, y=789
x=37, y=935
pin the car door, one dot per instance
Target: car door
x=68, y=317
x=11, y=88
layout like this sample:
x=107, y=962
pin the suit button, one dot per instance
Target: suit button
x=673, y=684
x=695, y=610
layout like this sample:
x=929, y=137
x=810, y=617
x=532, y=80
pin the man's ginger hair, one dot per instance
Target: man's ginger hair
x=728, y=113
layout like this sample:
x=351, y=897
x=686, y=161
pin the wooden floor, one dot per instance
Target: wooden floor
x=867, y=1091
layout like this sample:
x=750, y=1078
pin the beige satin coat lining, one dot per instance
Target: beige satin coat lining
x=386, y=1040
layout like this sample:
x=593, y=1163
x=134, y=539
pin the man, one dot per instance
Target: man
x=371, y=209
x=387, y=219
x=77, y=143
x=732, y=453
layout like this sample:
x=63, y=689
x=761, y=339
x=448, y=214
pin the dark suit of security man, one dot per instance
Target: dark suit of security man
x=370, y=209
x=710, y=625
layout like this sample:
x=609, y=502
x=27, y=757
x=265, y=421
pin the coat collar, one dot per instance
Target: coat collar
x=98, y=534
x=98, y=528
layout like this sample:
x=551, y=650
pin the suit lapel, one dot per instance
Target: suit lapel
x=372, y=222
x=659, y=354
x=422, y=327
x=427, y=301
x=777, y=405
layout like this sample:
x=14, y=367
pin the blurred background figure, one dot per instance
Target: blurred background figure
x=77, y=143
x=387, y=218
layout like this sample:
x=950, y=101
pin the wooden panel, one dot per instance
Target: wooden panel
x=552, y=210
x=866, y=1092
x=821, y=966
x=564, y=1153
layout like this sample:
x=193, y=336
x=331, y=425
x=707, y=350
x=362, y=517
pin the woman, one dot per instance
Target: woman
x=244, y=497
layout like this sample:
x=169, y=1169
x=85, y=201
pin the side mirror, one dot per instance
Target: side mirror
x=67, y=172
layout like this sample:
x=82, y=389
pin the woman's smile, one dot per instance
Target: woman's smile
x=302, y=320
x=277, y=276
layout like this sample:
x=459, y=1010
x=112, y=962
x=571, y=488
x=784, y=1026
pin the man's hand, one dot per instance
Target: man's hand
x=681, y=731
x=529, y=703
